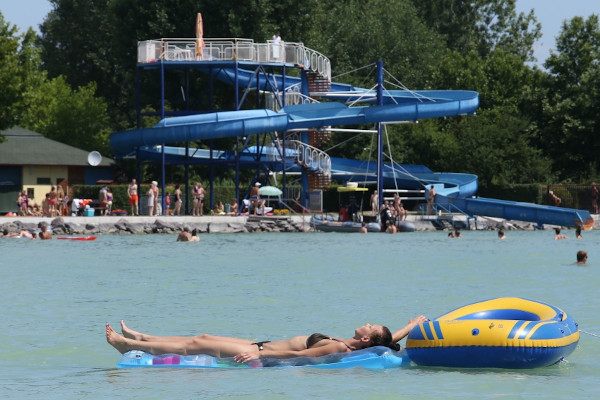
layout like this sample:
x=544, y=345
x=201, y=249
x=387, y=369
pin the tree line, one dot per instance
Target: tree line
x=75, y=81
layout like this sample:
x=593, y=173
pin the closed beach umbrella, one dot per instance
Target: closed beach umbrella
x=269, y=191
x=199, y=34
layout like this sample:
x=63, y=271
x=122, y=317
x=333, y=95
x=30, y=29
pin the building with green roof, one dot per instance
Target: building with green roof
x=30, y=161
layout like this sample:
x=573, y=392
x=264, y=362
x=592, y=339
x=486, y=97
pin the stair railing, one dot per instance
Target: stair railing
x=309, y=157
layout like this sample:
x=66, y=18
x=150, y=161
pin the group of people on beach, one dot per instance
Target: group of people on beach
x=155, y=206
x=53, y=205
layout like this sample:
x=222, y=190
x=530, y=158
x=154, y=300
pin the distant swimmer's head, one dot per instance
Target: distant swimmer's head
x=581, y=257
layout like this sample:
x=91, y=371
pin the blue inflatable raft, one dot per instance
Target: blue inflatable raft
x=507, y=332
x=373, y=358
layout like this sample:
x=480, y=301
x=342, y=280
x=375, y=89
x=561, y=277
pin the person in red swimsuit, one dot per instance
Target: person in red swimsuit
x=132, y=191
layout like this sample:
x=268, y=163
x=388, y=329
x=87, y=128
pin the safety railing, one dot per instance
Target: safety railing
x=236, y=49
x=309, y=157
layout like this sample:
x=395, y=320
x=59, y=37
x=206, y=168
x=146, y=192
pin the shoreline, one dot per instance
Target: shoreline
x=117, y=224
x=81, y=225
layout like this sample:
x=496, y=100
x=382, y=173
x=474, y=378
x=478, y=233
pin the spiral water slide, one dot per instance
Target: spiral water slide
x=398, y=105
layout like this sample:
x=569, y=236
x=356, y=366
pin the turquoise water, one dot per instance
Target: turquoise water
x=57, y=295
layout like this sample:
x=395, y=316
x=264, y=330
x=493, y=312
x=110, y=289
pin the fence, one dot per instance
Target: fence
x=573, y=196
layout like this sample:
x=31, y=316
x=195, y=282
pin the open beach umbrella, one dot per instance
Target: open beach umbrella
x=270, y=191
x=199, y=33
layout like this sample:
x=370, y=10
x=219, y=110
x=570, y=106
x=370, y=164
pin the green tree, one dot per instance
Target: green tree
x=74, y=117
x=496, y=146
x=18, y=70
x=355, y=34
x=500, y=78
x=482, y=25
x=569, y=121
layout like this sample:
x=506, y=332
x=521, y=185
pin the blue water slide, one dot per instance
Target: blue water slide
x=399, y=105
x=512, y=210
x=247, y=122
x=406, y=176
x=347, y=92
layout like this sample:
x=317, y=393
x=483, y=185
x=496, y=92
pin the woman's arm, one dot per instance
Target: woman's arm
x=402, y=333
x=331, y=348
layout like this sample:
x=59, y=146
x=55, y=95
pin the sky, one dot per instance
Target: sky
x=550, y=13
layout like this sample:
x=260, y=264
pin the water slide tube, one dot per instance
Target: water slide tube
x=303, y=116
x=512, y=210
x=398, y=105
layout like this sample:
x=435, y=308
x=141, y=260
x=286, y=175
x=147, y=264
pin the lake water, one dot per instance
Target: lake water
x=57, y=295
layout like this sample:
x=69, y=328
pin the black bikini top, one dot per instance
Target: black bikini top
x=317, y=337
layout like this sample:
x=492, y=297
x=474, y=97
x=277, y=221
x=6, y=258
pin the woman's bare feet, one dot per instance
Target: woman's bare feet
x=130, y=333
x=115, y=340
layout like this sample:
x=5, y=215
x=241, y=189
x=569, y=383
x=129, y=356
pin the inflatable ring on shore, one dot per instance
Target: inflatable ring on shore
x=505, y=332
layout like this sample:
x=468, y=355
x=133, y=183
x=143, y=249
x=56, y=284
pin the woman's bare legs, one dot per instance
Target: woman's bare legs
x=181, y=346
x=131, y=334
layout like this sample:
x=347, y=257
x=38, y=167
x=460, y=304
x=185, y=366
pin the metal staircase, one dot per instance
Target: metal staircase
x=315, y=162
x=317, y=83
x=318, y=137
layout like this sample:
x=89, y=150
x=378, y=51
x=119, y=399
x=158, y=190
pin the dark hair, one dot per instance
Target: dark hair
x=384, y=339
x=557, y=230
x=581, y=255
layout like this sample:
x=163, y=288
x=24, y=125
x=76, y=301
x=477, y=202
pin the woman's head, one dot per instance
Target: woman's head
x=376, y=335
x=384, y=338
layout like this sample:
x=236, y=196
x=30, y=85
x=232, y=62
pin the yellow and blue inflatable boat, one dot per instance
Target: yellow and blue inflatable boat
x=507, y=332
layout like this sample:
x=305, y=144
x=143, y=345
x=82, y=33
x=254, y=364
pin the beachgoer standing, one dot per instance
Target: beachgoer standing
x=177, y=193
x=132, y=192
x=430, y=200
x=150, y=194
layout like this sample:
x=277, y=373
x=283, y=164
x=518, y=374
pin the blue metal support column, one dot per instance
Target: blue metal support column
x=237, y=145
x=187, y=178
x=138, y=176
x=163, y=176
x=211, y=178
x=187, y=90
x=138, y=110
x=304, y=180
x=283, y=177
x=162, y=116
x=138, y=94
x=237, y=170
x=380, y=134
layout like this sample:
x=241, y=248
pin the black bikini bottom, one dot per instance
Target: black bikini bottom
x=260, y=344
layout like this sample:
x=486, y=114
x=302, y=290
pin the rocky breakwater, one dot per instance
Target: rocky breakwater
x=148, y=225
